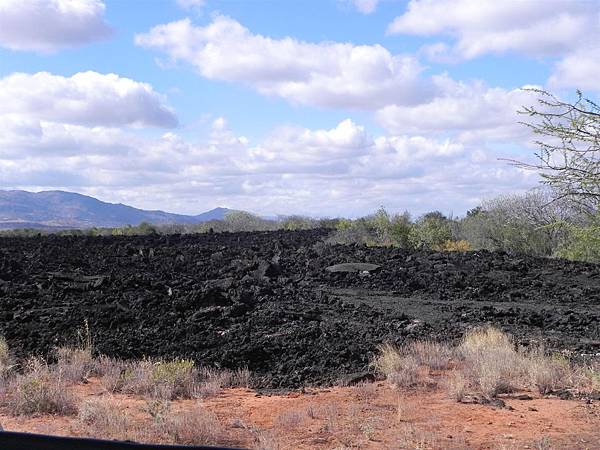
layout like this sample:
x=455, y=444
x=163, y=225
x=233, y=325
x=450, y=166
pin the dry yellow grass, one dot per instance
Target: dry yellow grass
x=488, y=364
x=401, y=370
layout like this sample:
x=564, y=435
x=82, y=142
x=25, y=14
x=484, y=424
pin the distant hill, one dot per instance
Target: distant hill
x=59, y=209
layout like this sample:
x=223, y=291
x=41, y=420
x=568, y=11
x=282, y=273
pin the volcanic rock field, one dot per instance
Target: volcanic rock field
x=266, y=301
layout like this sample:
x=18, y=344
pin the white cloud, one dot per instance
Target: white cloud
x=467, y=111
x=337, y=171
x=49, y=25
x=365, y=6
x=324, y=74
x=22, y=137
x=301, y=150
x=534, y=27
x=86, y=98
x=578, y=70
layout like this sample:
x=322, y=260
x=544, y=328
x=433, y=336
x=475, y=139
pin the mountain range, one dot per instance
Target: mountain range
x=59, y=209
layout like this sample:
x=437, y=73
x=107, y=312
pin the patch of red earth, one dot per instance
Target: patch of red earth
x=370, y=417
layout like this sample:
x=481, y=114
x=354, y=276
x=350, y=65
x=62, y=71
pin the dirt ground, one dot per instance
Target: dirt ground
x=370, y=416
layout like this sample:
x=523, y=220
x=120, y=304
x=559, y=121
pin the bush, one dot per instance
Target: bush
x=431, y=231
x=74, y=364
x=379, y=229
x=298, y=223
x=530, y=223
x=105, y=419
x=583, y=243
x=158, y=379
x=400, y=369
x=400, y=229
x=167, y=380
x=491, y=361
x=194, y=427
x=548, y=374
x=244, y=221
x=434, y=355
x=39, y=391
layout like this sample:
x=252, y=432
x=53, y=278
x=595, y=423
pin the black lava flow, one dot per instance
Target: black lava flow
x=264, y=300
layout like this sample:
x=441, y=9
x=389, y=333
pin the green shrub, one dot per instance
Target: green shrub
x=298, y=223
x=379, y=229
x=400, y=229
x=583, y=243
x=431, y=231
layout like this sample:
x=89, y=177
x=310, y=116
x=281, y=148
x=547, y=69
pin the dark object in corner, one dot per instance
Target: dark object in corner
x=21, y=441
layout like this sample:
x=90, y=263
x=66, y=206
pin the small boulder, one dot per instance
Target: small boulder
x=353, y=268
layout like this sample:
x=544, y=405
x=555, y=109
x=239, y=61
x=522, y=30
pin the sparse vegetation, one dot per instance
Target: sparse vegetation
x=5, y=359
x=197, y=426
x=234, y=221
x=289, y=419
x=400, y=368
x=431, y=354
x=484, y=365
x=488, y=363
x=583, y=242
x=104, y=418
x=74, y=364
x=167, y=380
x=39, y=390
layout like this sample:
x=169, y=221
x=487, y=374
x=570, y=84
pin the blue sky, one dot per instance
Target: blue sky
x=329, y=107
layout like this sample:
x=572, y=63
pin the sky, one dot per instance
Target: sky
x=316, y=107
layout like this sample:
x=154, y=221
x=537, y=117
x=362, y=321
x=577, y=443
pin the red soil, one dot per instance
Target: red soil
x=370, y=417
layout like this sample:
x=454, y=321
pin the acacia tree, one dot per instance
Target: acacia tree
x=569, y=142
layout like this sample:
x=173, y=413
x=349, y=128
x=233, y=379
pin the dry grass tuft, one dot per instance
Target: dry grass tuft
x=267, y=440
x=486, y=363
x=431, y=354
x=311, y=411
x=491, y=361
x=39, y=391
x=548, y=374
x=289, y=420
x=74, y=364
x=400, y=369
x=417, y=438
x=103, y=418
x=197, y=426
x=331, y=414
x=592, y=374
x=365, y=391
x=113, y=373
x=405, y=410
x=485, y=339
x=457, y=385
x=225, y=377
